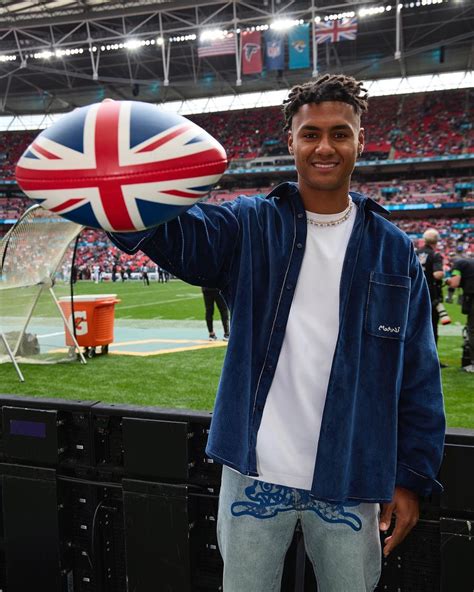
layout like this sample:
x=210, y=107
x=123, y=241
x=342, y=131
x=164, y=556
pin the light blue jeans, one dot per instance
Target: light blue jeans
x=255, y=527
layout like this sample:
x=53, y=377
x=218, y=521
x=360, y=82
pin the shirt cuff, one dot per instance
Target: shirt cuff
x=414, y=481
x=130, y=242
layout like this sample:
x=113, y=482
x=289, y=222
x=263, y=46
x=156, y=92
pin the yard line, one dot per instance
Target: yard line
x=156, y=302
x=50, y=335
x=157, y=340
x=136, y=288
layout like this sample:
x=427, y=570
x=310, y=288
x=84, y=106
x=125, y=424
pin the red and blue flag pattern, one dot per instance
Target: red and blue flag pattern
x=336, y=30
x=121, y=165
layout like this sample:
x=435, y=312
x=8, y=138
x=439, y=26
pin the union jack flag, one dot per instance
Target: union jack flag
x=336, y=30
x=121, y=166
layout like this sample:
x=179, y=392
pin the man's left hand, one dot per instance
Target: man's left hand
x=405, y=506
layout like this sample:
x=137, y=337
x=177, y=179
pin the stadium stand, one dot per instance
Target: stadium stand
x=384, y=192
x=12, y=146
x=422, y=124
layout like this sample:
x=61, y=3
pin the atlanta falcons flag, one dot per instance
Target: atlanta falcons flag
x=337, y=30
x=121, y=166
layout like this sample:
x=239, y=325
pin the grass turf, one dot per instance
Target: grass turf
x=184, y=379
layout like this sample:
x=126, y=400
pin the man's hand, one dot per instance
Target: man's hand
x=405, y=506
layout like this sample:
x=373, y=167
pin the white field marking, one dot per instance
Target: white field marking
x=156, y=352
x=157, y=302
x=143, y=341
x=138, y=288
x=50, y=335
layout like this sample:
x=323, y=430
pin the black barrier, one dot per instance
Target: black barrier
x=105, y=498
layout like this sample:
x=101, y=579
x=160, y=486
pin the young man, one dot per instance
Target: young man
x=330, y=399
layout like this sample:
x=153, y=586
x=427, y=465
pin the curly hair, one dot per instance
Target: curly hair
x=328, y=87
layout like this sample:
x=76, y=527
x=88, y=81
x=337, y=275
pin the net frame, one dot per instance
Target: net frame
x=30, y=254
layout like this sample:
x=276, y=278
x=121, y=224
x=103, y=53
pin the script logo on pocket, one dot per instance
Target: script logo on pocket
x=389, y=329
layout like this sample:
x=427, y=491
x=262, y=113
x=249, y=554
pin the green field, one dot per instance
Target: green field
x=185, y=379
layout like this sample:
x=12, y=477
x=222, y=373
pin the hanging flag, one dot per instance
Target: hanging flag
x=251, y=52
x=338, y=30
x=274, y=51
x=213, y=47
x=298, y=43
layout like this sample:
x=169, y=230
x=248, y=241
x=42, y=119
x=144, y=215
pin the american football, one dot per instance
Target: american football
x=121, y=166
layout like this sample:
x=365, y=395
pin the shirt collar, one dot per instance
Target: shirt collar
x=289, y=188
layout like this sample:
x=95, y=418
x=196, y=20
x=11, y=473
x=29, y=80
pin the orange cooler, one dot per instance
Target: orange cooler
x=94, y=318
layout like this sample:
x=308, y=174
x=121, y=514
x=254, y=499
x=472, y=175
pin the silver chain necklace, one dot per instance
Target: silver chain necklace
x=340, y=220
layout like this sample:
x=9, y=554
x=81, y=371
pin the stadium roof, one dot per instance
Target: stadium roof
x=59, y=54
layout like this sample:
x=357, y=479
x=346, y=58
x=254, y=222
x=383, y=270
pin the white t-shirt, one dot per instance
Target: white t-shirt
x=287, y=439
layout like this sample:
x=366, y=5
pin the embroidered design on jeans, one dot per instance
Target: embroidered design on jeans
x=268, y=500
x=389, y=329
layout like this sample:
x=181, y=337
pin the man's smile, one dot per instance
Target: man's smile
x=324, y=165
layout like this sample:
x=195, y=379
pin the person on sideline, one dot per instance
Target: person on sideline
x=330, y=399
x=432, y=264
x=462, y=275
x=213, y=296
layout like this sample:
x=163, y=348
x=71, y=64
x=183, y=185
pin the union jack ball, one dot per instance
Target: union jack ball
x=121, y=165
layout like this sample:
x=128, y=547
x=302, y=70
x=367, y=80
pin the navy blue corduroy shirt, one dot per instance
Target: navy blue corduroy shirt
x=383, y=422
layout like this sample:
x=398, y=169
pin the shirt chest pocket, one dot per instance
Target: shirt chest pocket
x=387, y=305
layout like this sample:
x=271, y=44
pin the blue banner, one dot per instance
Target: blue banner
x=298, y=43
x=274, y=51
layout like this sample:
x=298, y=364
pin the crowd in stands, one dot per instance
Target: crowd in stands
x=12, y=207
x=422, y=124
x=434, y=190
x=248, y=133
x=397, y=191
x=12, y=146
x=435, y=124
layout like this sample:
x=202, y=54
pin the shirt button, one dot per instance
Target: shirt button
x=270, y=366
x=299, y=246
x=289, y=286
x=300, y=216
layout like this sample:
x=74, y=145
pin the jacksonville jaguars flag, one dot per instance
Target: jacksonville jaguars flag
x=274, y=51
x=298, y=43
x=251, y=52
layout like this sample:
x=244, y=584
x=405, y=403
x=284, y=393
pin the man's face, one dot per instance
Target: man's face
x=325, y=140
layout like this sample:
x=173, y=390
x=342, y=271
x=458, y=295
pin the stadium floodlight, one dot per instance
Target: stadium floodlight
x=212, y=34
x=372, y=10
x=283, y=24
x=180, y=38
x=7, y=58
x=45, y=55
x=131, y=44
x=160, y=40
x=339, y=16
